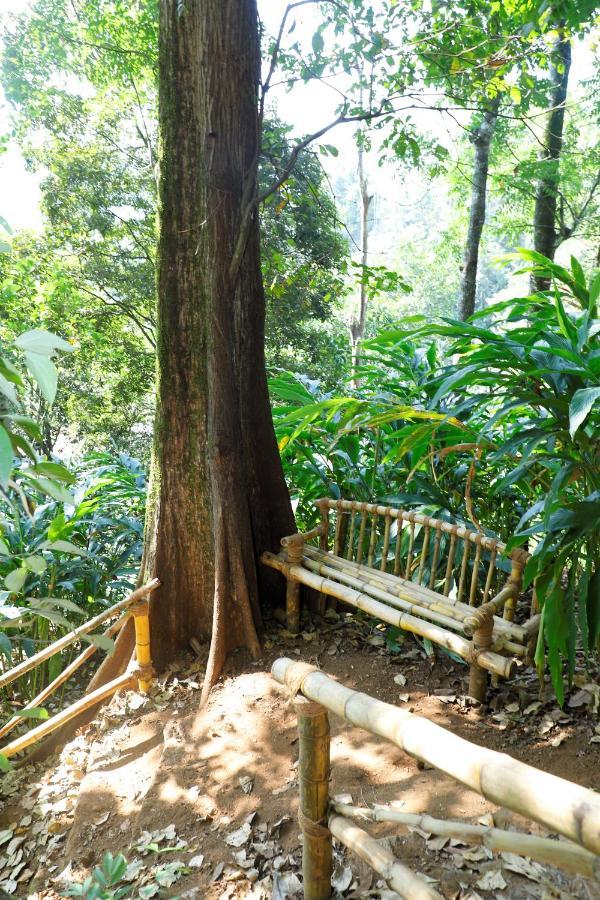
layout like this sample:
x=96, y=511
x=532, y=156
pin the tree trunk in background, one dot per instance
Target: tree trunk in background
x=357, y=326
x=481, y=137
x=218, y=497
x=546, y=196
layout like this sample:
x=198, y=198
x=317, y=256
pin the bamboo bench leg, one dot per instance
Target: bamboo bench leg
x=482, y=640
x=317, y=856
x=292, y=592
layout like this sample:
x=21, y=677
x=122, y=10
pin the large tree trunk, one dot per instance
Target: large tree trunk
x=218, y=497
x=358, y=324
x=545, y=236
x=481, y=137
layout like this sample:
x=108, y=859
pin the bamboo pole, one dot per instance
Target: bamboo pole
x=386, y=543
x=436, y=557
x=292, y=589
x=408, y=590
x=313, y=780
x=74, y=635
x=128, y=680
x=450, y=565
x=414, y=607
x=424, y=551
x=562, y=854
x=144, y=671
x=492, y=662
x=460, y=531
x=63, y=676
x=557, y=804
x=396, y=875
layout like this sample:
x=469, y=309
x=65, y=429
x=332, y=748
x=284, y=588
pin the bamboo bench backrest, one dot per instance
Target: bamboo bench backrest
x=431, y=552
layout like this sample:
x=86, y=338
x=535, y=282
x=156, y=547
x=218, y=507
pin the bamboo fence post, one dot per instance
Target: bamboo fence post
x=293, y=550
x=144, y=670
x=559, y=805
x=396, y=875
x=313, y=779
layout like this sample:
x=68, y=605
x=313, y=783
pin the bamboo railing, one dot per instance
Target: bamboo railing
x=559, y=805
x=136, y=605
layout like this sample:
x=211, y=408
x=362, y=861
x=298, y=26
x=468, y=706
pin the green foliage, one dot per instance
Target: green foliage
x=500, y=428
x=63, y=563
x=103, y=883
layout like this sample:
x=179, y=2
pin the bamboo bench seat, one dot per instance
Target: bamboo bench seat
x=456, y=587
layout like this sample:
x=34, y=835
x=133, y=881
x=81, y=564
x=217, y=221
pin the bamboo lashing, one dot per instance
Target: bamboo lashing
x=64, y=675
x=74, y=635
x=396, y=875
x=562, y=854
x=126, y=681
x=557, y=804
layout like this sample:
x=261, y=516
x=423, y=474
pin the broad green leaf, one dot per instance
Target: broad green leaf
x=42, y=342
x=99, y=640
x=6, y=457
x=61, y=546
x=35, y=712
x=5, y=766
x=44, y=371
x=55, y=471
x=15, y=580
x=5, y=646
x=36, y=564
x=593, y=610
x=580, y=407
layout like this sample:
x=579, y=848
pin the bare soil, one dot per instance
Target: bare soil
x=224, y=778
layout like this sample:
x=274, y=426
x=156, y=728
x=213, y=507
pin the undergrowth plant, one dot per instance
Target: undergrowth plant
x=494, y=422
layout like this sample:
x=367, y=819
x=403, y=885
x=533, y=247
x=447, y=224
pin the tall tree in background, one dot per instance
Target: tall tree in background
x=545, y=237
x=218, y=495
x=359, y=321
x=481, y=137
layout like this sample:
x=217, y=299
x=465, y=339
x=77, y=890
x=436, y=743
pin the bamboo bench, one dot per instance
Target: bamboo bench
x=431, y=577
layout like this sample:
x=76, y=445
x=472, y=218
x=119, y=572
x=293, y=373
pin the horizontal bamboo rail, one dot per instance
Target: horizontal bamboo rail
x=74, y=635
x=63, y=676
x=396, y=875
x=128, y=680
x=557, y=804
x=562, y=854
x=484, y=659
x=373, y=509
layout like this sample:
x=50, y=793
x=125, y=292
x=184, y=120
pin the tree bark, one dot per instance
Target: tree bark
x=545, y=236
x=481, y=137
x=358, y=324
x=218, y=497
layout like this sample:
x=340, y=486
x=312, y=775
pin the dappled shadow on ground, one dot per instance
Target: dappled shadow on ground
x=224, y=777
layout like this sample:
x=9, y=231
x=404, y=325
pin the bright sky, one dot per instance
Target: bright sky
x=307, y=108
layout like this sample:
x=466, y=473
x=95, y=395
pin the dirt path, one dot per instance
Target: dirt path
x=203, y=803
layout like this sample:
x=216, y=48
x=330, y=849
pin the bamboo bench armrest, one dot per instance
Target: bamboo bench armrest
x=486, y=612
x=293, y=540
